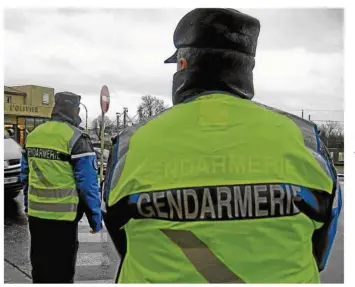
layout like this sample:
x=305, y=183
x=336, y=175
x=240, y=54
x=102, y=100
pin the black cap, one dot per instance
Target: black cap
x=216, y=28
x=67, y=99
x=65, y=104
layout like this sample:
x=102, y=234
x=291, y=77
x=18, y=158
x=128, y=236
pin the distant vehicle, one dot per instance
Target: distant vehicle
x=12, y=166
x=105, y=158
x=96, y=144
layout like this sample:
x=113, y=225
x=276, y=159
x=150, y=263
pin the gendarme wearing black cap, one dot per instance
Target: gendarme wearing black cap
x=225, y=41
x=66, y=107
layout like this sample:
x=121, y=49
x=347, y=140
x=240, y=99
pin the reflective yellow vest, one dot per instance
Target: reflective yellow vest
x=210, y=193
x=52, y=190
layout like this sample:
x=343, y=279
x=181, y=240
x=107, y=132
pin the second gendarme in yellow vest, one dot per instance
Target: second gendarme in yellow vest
x=52, y=191
x=220, y=190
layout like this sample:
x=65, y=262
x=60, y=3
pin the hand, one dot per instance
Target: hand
x=26, y=214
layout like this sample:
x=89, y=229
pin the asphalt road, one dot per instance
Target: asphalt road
x=97, y=259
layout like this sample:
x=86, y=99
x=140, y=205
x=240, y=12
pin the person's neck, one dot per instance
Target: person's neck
x=64, y=117
x=192, y=82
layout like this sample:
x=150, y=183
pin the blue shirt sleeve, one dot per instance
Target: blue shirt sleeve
x=85, y=167
x=24, y=178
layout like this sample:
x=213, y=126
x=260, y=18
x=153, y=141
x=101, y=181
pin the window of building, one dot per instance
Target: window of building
x=7, y=100
x=331, y=154
x=38, y=122
x=45, y=99
x=341, y=156
x=26, y=125
x=30, y=125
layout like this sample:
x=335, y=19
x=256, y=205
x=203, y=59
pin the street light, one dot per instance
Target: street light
x=86, y=117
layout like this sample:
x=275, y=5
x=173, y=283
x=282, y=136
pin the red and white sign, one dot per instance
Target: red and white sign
x=104, y=99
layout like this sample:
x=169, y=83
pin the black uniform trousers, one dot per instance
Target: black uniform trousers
x=53, y=250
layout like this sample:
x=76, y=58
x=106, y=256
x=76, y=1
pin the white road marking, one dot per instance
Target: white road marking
x=84, y=222
x=88, y=237
x=92, y=259
x=95, y=282
x=95, y=259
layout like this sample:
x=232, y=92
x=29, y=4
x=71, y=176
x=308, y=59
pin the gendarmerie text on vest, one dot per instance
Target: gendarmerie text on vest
x=44, y=153
x=219, y=203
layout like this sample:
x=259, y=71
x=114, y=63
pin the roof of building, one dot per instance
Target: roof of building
x=32, y=86
x=12, y=91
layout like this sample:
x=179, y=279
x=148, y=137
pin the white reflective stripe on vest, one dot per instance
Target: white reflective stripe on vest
x=52, y=193
x=83, y=155
x=52, y=207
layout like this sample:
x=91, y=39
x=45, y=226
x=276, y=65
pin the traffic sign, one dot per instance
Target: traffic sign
x=104, y=99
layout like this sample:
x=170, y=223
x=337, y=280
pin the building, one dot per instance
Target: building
x=337, y=155
x=26, y=107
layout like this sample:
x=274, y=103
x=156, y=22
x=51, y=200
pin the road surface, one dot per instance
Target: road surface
x=97, y=259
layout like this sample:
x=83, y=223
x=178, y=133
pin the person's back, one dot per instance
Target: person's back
x=52, y=141
x=222, y=172
x=59, y=176
x=219, y=189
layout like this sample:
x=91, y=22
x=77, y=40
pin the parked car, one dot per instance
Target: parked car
x=105, y=158
x=12, y=166
x=96, y=144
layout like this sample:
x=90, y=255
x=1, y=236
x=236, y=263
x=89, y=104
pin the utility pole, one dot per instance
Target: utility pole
x=302, y=114
x=118, y=122
x=309, y=117
x=125, y=111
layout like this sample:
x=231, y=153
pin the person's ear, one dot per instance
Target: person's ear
x=182, y=64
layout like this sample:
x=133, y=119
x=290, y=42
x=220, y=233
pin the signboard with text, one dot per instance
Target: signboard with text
x=27, y=110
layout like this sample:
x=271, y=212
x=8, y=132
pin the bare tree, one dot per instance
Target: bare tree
x=96, y=125
x=150, y=106
x=332, y=134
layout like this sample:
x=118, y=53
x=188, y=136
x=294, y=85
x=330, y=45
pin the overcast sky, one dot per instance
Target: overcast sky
x=299, y=61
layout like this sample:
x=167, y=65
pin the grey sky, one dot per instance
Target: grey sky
x=299, y=62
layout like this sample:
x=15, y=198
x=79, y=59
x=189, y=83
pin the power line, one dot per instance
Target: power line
x=315, y=110
x=326, y=121
x=324, y=110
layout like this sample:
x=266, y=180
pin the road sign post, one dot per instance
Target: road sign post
x=105, y=104
x=102, y=139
